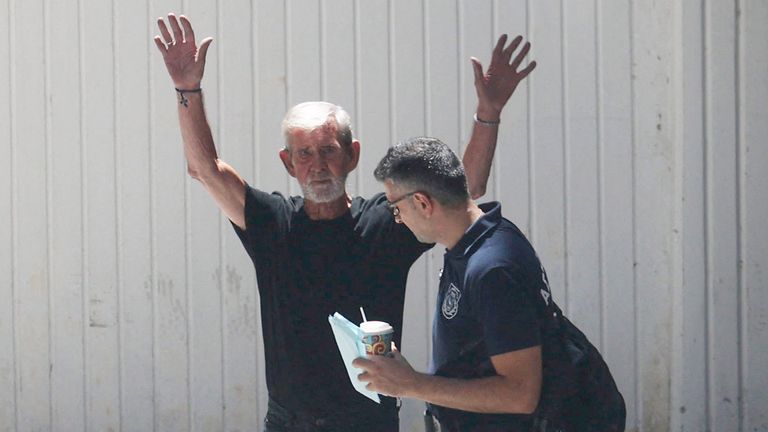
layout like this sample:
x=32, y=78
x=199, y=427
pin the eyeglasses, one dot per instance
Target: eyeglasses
x=393, y=208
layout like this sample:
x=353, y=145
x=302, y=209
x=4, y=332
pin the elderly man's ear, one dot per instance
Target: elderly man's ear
x=355, y=156
x=285, y=156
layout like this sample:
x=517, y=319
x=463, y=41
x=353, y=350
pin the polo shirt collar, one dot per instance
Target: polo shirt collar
x=478, y=230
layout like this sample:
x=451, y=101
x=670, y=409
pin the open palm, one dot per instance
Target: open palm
x=184, y=60
x=496, y=85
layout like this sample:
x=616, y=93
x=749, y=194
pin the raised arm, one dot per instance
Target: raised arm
x=494, y=88
x=185, y=62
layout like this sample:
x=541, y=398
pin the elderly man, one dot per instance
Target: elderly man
x=325, y=251
x=493, y=311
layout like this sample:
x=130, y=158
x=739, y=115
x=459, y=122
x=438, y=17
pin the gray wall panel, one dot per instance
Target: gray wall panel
x=7, y=236
x=133, y=131
x=689, y=389
x=722, y=215
x=634, y=158
x=753, y=154
x=31, y=244
x=102, y=384
x=616, y=194
x=67, y=209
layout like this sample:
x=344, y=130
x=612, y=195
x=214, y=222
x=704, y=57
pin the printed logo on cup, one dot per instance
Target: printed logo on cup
x=377, y=337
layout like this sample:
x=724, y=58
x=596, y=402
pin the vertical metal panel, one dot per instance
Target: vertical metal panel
x=753, y=153
x=66, y=199
x=441, y=72
x=271, y=102
x=374, y=121
x=31, y=241
x=581, y=169
x=721, y=215
x=7, y=322
x=408, y=77
x=617, y=196
x=337, y=28
x=689, y=384
x=101, y=359
x=133, y=131
x=304, y=51
x=654, y=165
x=134, y=175
x=634, y=157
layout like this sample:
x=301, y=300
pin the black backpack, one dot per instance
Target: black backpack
x=578, y=392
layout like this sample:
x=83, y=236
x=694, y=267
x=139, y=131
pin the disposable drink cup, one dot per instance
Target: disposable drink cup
x=377, y=337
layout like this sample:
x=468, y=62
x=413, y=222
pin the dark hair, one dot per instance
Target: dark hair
x=428, y=165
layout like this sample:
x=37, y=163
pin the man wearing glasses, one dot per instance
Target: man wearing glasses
x=325, y=251
x=492, y=344
x=483, y=320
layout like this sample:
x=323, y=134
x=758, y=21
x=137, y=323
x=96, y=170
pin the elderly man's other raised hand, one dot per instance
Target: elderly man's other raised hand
x=496, y=85
x=184, y=60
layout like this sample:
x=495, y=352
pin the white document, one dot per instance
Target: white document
x=348, y=339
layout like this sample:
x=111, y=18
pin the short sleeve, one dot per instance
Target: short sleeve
x=507, y=315
x=266, y=220
x=396, y=238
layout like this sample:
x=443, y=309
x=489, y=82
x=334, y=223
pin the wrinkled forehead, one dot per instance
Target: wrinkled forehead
x=322, y=132
x=328, y=127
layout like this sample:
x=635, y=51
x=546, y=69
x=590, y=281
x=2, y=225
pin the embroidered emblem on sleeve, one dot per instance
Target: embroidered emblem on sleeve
x=451, y=302
x=546, y=292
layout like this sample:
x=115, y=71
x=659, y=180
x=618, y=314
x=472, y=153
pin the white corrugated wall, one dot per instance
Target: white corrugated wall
x=635, y=158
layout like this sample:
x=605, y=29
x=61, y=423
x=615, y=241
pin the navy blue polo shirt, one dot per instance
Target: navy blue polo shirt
x=487, y=299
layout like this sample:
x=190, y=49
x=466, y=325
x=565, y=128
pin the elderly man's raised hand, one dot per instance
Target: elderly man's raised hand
x=184, y=60
x=496, y=85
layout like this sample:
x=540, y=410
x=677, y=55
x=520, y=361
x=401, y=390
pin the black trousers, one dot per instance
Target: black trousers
x=280, y=419
x=603, y=424
x=450, y=425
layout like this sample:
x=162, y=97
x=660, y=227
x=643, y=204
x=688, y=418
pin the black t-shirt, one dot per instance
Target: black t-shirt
x=308, y=269
x=486, y=305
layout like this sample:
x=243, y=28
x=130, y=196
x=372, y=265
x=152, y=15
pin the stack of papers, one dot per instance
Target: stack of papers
x=349, y=339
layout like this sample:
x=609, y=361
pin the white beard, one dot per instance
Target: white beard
x=326, y=192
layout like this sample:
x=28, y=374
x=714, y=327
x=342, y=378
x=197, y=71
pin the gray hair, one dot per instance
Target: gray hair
x=308, y=116
x=427, y=165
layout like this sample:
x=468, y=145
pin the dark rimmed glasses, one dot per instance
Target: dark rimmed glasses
x=393, y=204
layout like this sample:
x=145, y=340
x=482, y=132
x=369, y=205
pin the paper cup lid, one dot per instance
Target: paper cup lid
x=376, y=327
